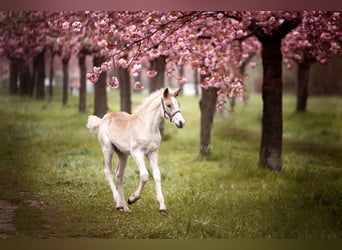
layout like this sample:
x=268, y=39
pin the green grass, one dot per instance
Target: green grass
x=49, y=157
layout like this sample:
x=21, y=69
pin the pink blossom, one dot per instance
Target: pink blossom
x=61, y=41
x=123, y=63
x=102, y=44
x=169, y=72
x=297, y=57
x=138, y=86
x=92, y=77
x=103, y=23
x=97, y=70
x=77, y=26
x=220, y=15
x=65, y=25
x=154, y=53
x=252, y=65
x=239, y=33
x=151, y=73
x=114, y=84
x=136, y=68
x=181, y=79
x=272, y=20
x=105, y=66
x=203, y=71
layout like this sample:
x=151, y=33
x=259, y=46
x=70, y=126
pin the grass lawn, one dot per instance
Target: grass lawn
x=52, y=168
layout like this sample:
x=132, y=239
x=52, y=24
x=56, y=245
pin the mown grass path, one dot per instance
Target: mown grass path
x=51, y=169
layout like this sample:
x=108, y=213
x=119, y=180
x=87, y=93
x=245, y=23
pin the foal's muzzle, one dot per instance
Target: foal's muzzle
x=180, y=124
x=178, y=120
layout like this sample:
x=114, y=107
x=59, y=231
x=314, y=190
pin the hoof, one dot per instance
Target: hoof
x=163, y=212
x=120, y=209
x=131, y=201
x=123, y=210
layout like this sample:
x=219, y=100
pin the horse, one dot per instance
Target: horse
x=138, y=135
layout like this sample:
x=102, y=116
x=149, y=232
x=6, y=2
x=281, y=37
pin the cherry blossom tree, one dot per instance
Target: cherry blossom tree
x=76, y=36
x=67, y=43
x=210, y=42
x=319, y=45
x=270, y=28
x=23, y=37
x=181, y=38
x=216, y=44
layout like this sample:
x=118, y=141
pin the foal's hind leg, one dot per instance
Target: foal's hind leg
x=119, y=180
x=107, y=154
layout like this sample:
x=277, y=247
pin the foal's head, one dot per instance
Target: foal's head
x=170, y=108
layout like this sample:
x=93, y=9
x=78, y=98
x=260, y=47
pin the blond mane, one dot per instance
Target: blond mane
x=148, y=100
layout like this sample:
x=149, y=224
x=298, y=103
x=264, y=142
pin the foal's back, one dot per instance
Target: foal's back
x=117, y=119
x=118, y=127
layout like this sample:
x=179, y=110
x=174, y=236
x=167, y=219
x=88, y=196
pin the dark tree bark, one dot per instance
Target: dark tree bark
x=208, y=108
x=303, y=83
x=26, y=86
x=125, y=89
x=272, y=119
x=302, y=86
x=65, y=65
x=196, y=82
x=83, y=87
x=51, y=76
x=181, y=74
x=100, y=91
x=158, y=82
x=13, y=76
x=39, y=76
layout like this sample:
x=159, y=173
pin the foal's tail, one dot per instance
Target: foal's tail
x=93, y=123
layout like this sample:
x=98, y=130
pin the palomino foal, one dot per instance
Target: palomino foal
x=137, y=135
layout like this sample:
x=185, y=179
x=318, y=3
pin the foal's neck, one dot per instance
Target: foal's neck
x=151, y=115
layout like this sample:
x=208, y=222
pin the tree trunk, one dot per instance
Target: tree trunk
x=31, y=78
x=13, y=77
x=181, y=74
x=25, y=80
x=65, y=63
x=125, y=89
x=272, y=124
x=83, y=87
x=39, y=68
x=100, y=91
x=51, y=76
x=196, y=82
x=302, y=86
x=158, y=82
x=208, y=108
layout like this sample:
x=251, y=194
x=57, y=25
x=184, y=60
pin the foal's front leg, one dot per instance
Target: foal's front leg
x=138, y=157
x=153, y=159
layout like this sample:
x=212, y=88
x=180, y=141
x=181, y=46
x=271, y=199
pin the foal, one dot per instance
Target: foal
x=137, y=135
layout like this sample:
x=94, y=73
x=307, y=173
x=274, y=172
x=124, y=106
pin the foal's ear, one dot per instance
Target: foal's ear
x=166, y=92
x=177, y=92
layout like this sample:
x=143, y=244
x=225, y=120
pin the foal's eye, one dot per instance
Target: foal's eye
x=168, y=105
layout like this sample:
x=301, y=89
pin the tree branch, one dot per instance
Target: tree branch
x=287, y=26
x=253, y=32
